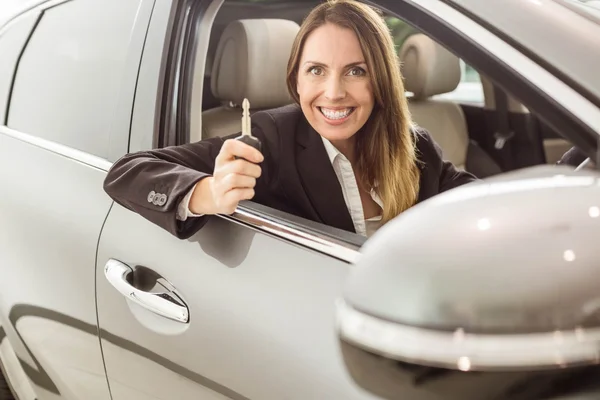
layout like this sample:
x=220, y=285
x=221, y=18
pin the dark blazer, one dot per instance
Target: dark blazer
x=297, y=176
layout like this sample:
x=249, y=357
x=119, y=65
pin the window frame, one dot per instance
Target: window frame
x=420, y=15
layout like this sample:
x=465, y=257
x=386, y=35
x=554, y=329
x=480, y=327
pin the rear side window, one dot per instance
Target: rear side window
x=69, y=76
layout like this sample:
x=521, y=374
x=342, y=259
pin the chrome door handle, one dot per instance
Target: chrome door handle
x=166, y=304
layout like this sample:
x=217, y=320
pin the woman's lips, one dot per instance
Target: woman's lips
x=336, y=116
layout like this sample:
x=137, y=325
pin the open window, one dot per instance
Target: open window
x=465, y=114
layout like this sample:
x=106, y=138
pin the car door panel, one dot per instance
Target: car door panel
x=51, y=211
x=53, y=205
x=261, y=316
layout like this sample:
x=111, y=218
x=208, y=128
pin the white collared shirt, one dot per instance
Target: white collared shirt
x=345, y=174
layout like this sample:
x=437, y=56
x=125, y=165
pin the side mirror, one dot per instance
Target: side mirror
x=479, y=288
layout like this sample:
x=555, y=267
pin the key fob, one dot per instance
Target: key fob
x=251, y=141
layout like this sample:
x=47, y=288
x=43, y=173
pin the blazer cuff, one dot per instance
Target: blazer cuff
x=183, y=208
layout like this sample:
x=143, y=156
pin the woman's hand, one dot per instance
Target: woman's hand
x=233, y=180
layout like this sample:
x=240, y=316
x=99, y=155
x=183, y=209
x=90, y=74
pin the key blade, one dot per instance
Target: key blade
x=246, y=136
x=246, y=117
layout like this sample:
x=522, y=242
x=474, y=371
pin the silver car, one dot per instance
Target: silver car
x=98, y=303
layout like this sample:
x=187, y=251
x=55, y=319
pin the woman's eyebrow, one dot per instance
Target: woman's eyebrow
x=356, y=63
x=314, y=63
x=320, y=64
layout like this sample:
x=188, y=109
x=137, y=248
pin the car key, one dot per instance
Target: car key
x=246, y=136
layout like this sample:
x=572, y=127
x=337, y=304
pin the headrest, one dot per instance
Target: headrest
x=251, y=62
x=427, y=67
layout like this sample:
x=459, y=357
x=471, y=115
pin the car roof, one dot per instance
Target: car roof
x=551, y=32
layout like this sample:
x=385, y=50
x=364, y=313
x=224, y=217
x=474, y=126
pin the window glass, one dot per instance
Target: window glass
x=469, y=90
x=70, y=75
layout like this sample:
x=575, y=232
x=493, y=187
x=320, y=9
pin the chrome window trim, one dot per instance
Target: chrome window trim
x=57, y=148
x=319, y=242
x=463, y=351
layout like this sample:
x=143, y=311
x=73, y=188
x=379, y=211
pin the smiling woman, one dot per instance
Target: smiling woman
x=356, y=102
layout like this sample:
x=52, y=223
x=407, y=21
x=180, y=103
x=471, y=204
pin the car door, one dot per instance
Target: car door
x=68, y=112
x=242, y=310
x=260, y=311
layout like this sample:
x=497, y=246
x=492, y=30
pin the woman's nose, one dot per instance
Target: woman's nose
x=335, y=89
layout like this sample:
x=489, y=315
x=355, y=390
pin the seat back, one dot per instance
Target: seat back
x=429, y=69
x=250, y=62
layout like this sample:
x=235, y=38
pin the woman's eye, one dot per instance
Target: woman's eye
x=357, y=71
x=315, y=71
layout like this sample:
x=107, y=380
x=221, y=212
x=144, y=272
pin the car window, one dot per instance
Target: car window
x=465, y=132
x=70, y=74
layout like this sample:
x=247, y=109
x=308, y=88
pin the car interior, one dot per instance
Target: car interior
x=249, y=47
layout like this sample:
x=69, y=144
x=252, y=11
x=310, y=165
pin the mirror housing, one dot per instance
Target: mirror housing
x=499, y=275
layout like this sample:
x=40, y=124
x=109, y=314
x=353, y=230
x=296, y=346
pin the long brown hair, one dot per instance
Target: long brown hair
x=386, y=158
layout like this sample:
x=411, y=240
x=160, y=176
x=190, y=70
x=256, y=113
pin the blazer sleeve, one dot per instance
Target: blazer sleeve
x=572, y=157
x=136, y=180
x=444, y=174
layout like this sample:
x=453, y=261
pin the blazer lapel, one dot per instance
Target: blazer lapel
x=319, y=179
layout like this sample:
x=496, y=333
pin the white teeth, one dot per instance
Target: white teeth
x=339, y=114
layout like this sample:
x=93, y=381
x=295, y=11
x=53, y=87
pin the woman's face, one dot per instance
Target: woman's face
x=334, y=85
